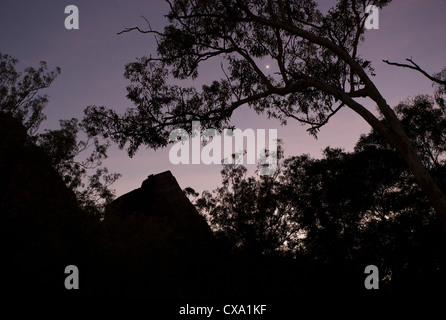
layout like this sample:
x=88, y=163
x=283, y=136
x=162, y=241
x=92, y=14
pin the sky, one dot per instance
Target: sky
x=92, y=59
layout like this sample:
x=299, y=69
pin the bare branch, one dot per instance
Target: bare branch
x=142, y=31
x=416, y=67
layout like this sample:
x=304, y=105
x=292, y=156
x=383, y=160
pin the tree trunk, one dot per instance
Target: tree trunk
x=427, y=184
x=398, y=138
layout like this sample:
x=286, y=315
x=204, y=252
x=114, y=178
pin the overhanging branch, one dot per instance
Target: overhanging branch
x=416, y=67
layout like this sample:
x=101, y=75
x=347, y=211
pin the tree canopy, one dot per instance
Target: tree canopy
x=20, y=96
x=316, y=55
x=19, y=92
x=319, y=72
x=345, y=209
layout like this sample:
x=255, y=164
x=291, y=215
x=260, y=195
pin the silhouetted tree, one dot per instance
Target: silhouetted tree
x=346, y=210
x=440, y=92
x=251, y=216
x=19, y=91
x=86, y=177
x=319, y=71
x=20, y=96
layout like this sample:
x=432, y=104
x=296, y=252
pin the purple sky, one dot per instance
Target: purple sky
x=92, y=60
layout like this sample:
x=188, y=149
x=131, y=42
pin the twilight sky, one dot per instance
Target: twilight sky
x=93, y=57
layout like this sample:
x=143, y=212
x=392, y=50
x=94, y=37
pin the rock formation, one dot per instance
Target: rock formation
x=161, y=199
x=159, y=233
x=151, y=243
x=39, y=220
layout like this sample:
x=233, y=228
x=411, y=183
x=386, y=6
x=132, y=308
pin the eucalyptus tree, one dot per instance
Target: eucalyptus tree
x=319, y=72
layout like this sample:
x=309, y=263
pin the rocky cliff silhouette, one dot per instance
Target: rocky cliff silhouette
x=159, y=227
x=40, y=223
x=151, y=243
x=162, y=201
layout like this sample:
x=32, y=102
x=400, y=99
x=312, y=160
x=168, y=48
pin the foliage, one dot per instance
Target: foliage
x=317, y=71
x=251, y=216
x=19, y=91
x=303, y=44
x=345, y=209
x=440, y=92
x=65, y=150
x=19, y=96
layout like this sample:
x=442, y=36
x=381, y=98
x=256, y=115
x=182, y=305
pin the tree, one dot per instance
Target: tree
x=249, y=215
x=345, y=210
x=440, y=92
x=425, y=125
x=319, y=72
x=84, y=175
x=438, y=79
x=19, y=92
x=19, y=97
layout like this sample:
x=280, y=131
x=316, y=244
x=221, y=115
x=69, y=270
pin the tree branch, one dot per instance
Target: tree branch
x=142, y=31
x=416, y=67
